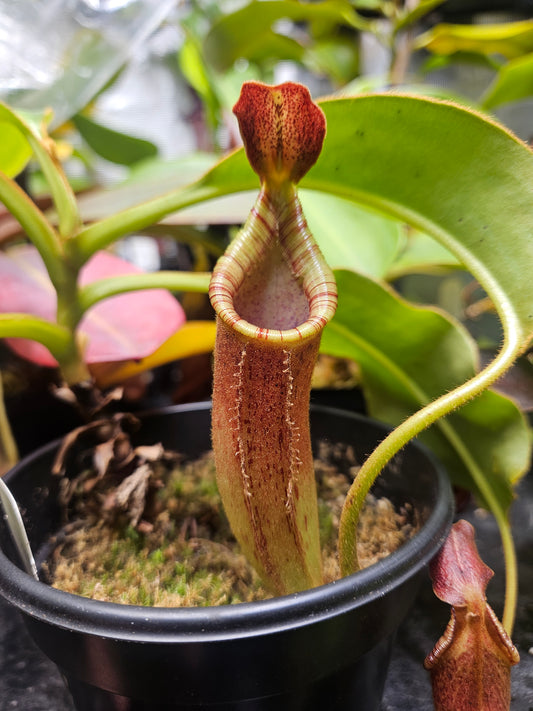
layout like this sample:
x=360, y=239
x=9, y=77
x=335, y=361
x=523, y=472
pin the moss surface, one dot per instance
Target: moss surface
x=183, y=553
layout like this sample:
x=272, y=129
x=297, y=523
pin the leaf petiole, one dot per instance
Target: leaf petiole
x=173, y=281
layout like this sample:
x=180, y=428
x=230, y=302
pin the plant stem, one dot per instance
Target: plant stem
x=173, y=281
x=62, y=193
x=35, y=224
x=8, y=446
x=103, y=233
x=59, y=340
x=44, y=149
x=411, y=428
x=511, y=571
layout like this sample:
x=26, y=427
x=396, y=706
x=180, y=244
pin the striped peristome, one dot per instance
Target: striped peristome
x=268, y=224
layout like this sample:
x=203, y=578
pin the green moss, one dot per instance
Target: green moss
x=185, y=554
x=157, y=557
x=328, y=530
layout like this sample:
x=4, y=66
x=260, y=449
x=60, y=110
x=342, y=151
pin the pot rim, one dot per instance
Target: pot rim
x=190, y=624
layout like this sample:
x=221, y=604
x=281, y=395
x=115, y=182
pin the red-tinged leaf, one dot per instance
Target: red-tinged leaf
x=282, y=129
x=124, y=327
x=470, y=664
x=27, y=289
x=129, y=326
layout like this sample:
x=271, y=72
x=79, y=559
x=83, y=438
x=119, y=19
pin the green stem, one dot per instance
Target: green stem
x=47, y=242
x=511, y=571
x=101, y=234
x=35, y=224
x=62, y=193
x=54, y=337
x=411, y=428
x=173, y=281
x=59, y=340
x=8, y=446
x=45, y=152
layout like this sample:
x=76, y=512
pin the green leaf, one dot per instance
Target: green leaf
x=422, y=8
x=436, y=62
x=409, y=356
x=423, y=255
x=15, y=151
x=336, y=56
x=370, y=4
x=112, y=145
x=350, y=236
x=146, y=180
x=15, y=148
x=444, y=169
x=510, y=39
x=194, y=69
x=449, y=172
x=249, y=32
x=513, y=82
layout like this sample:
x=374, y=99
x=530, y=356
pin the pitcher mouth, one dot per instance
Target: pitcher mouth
x=272, y=226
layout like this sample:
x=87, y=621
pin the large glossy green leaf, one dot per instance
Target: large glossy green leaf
x=510, y=39
x=249, y=32
x=422, y=255
x=409, y=356
x=442, y=168
x=350, y=236
x=450, y=172
x=513, y=82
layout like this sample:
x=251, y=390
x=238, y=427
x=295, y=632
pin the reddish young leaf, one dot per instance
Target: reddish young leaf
x=471, y=663
x=124, y=327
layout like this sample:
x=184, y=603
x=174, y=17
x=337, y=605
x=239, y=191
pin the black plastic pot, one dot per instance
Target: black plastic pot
x=326, y=648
